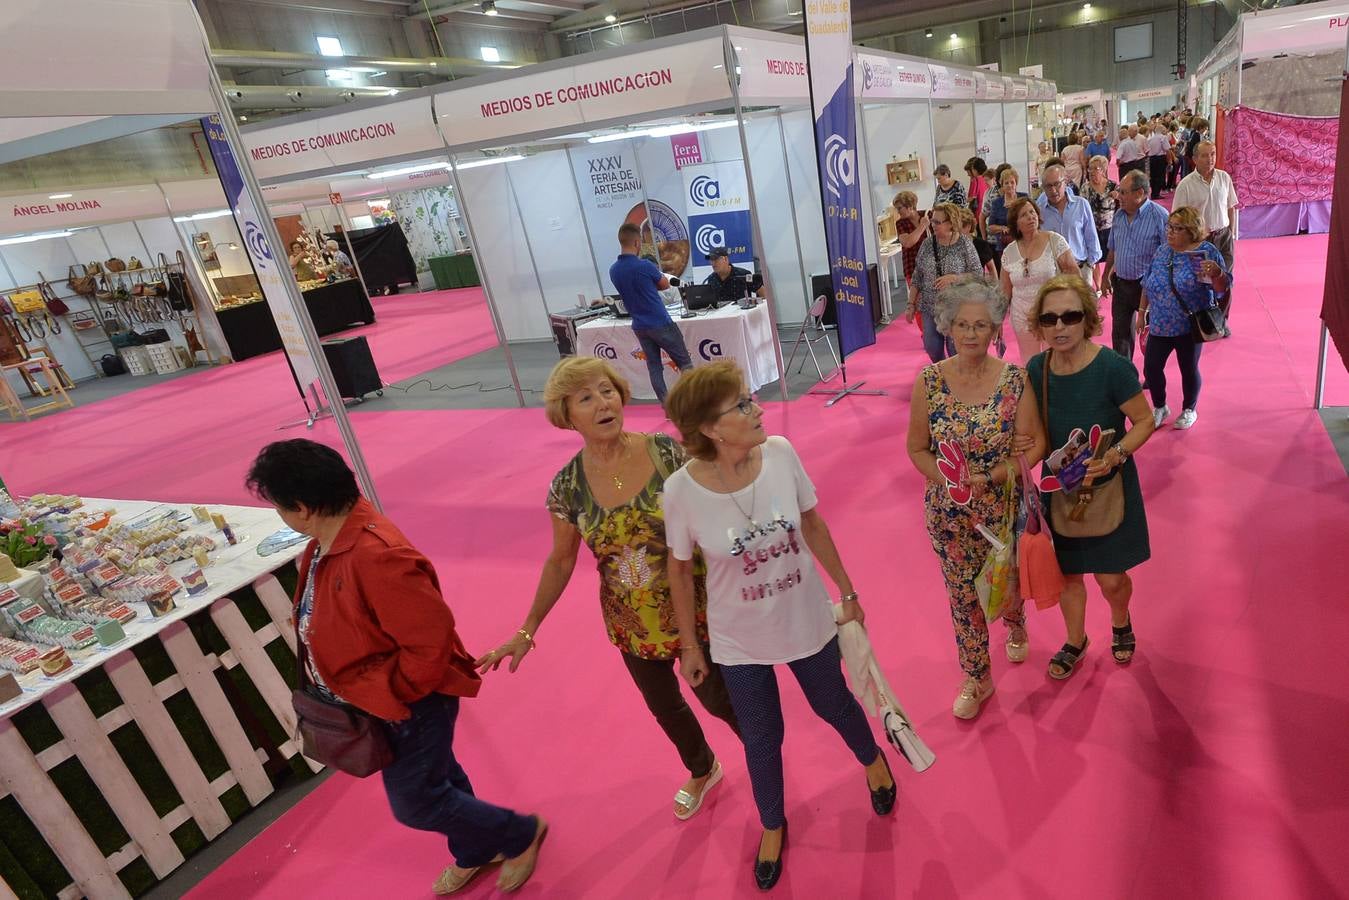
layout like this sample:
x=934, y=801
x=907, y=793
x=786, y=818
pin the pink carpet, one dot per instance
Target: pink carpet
x=1209, y=768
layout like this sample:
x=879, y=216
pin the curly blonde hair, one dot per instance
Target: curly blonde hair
x=568, y=377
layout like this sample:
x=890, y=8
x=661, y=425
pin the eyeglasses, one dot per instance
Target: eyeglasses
x=745, y=405
x=936, y=221
x=1069, y=318
x=1172, y=227
x=972, y=327
x=1053, y=184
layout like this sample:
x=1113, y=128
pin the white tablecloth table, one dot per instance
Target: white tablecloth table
x=742, y=335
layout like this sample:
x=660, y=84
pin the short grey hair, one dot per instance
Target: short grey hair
x=1133, y=180
x=973, y=289
x=1052, y=166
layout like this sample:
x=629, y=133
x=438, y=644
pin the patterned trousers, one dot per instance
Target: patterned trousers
x=758, y=708
x=967, y=616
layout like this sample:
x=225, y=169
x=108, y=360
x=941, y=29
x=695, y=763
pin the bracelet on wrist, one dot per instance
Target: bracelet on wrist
x=529, y=637
x=848, y=598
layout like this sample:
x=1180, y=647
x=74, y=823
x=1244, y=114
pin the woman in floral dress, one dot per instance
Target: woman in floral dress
x=965, y=410
x=610, y=496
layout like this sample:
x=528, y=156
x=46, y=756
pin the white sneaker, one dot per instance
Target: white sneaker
x=1186, y=419
x=1159, y=416
x=972, y=696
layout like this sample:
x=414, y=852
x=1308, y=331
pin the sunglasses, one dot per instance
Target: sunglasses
x=1071, y=317
x=745, y=405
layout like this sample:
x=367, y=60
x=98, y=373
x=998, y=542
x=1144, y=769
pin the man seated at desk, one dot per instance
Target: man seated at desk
x=729, y=280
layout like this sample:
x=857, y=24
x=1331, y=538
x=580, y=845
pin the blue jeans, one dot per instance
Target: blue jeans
x=937, y=345
x=653, y=340
x=758, y=709
x=428, y=790
x=1155, y=355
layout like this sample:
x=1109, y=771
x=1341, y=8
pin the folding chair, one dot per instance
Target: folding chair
x=814, y=322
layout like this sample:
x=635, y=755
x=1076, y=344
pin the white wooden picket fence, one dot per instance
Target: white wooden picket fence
x=24, y=775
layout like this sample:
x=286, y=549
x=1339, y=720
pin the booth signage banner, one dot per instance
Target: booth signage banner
x=716, y=197
x=770, y=70
x=687, y=149
x=344, y=139
x=829, y=49
x=266, y=264
x=1037, y=71
x=892, y=79
x=951, y=84
x=29, y=213
x=1020, y=89
x=635, y=86
x=1151, y=94
x=1299, y=29
x=980, y=85
x=989, y=67
x=612, y=195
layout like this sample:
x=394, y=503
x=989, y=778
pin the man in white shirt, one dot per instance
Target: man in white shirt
x=1210, y=191
x=1127, y=152
x=1158, y=146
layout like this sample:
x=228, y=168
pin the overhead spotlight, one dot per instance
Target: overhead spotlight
x=489, y=8
x=611, y=18
x=243, y=118
x=1086, y=6
x=928, y=33
x=954, y=36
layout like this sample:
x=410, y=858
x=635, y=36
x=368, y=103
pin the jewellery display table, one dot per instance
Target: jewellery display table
x=250, y=330
x=116, y=770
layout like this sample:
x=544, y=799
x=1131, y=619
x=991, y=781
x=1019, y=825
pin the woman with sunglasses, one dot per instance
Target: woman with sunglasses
x=746, y=502
x=976, y=403
x=1187, y=274
x=1032, y=258
x=941, y=263
x=1091, y=385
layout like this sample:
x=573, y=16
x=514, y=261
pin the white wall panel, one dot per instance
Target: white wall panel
x=124, y=243
x=989, y=139
x=799, y=128
x=551, y=215
x=893, y=131
x=774, y=202
x=953, y=133
x=52, y=257
x=502, y=255
x=1018, y=139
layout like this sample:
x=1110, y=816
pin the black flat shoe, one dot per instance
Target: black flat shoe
x=883, y=799
x=768, y=871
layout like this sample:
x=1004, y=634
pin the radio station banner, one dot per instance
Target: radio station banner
x=829, y=52
x=892, y=78
x=271, y=267
x=608, y=179
x=716, y=197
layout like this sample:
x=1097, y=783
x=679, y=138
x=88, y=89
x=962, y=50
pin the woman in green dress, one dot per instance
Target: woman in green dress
x=1090, y=385
x=610, y=496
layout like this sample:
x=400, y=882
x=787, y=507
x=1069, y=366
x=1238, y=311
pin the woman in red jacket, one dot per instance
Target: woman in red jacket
x=380, y=638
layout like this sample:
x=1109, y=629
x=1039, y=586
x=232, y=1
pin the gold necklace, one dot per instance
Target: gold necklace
x=623, y=457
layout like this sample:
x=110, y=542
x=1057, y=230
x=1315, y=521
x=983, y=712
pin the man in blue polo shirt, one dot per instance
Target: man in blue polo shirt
x=1139, y=229
x=639, y=282
x=1070, y=216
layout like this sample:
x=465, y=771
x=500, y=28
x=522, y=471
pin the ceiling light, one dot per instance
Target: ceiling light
x=243, y=118
x=330, y=46
x=490, y=54
x=928, y=33
x=339, y=75
x=60, y=196
x=409, y=170
x=489, y=7
x=489, y=161
x=611, y=18
x=1086, y=6
x=29, y=238
x=954, y=36
x=213, y=214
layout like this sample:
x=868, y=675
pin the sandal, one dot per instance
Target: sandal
x=693, y=802
x=1067, y=659
x=1123, y=642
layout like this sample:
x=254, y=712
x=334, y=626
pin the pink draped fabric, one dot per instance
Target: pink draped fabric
x=1275, y=158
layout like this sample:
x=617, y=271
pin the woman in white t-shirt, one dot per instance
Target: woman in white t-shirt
x=745, y=500
x=1028, y=262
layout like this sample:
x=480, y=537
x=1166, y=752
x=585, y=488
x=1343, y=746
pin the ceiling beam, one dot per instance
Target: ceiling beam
x=268, y=59
x=382, y=9
x=477, y=20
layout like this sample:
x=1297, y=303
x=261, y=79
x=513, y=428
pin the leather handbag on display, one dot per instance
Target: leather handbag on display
x=335, y=733
x=155, y=336
x=55, y=305
x=114, y=265
x=27, y=302
x=112, y=364
x=94, y=268
x=1104, y=505
x=134, y=264
x=81, y=283
x=83, y=321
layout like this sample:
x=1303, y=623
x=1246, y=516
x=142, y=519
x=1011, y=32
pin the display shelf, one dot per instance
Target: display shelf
x=904, y=171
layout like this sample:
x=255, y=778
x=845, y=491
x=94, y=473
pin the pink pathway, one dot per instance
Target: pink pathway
x=1209, y=768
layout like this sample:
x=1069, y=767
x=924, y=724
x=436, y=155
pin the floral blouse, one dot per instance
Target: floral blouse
x=630, y=554
x=1169, y=315
x=1103, y=205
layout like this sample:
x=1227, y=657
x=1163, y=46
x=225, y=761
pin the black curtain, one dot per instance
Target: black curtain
x=383, y=255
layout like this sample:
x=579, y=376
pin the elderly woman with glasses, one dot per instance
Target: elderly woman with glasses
x=973, y=402
x=942, y=261
x=1089, y=385
x=745, y=500
x=1033, y=257
x=1186, y=275
x=609, y=495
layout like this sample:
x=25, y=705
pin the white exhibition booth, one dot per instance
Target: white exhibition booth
x=1148, y=101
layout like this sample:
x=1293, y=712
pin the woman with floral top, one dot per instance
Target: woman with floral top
x=610, y=496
